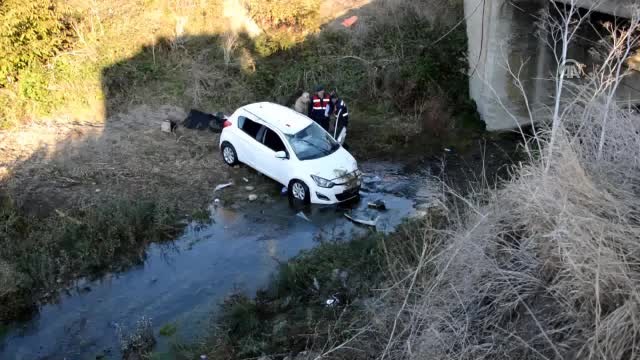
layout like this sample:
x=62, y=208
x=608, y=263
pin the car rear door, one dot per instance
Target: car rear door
x=270, y=165
x=248, y=145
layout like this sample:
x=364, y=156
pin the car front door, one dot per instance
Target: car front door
x=270, y=165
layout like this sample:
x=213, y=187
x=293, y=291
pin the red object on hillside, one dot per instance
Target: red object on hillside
x=350, y=21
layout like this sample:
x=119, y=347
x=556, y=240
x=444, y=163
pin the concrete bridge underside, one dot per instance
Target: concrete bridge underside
x=502, y=32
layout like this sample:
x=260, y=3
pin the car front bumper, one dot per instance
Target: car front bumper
x=335, y=195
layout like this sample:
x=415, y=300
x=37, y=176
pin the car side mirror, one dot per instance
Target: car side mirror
x=282, y=155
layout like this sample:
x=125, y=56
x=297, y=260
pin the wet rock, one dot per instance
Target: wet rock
x=395, y=187
x=253, y=197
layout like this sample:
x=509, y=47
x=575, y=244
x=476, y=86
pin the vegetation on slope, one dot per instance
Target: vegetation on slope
x=38, y=256
x=82, y=64
x=400, y=81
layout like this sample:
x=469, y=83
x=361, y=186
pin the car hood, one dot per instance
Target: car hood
x=333, y=166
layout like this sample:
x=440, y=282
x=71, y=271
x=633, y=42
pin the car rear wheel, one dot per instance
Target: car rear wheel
x=299, y=192
x=229, y=154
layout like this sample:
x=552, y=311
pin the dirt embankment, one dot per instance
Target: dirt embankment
x=58, y=166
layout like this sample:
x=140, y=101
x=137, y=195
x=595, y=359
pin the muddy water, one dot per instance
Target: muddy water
x=182, y=282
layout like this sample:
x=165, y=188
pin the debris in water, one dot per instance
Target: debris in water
x=303, y=216
x=447, y=149
x=253, y=197
x=222, y=186
x=332, y=301
x=362, y=221
x=249, y=188
x=378, y=205
x=245, y=179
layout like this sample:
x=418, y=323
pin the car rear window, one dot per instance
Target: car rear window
x=249, y=126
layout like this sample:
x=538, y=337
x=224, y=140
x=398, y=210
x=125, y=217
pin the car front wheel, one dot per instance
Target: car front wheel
x=299, y=192
x=229, y=154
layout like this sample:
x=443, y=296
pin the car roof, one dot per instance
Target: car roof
x=287, y=120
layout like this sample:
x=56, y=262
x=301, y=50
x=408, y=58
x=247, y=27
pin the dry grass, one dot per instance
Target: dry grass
x=546, y=267
x=74, y=166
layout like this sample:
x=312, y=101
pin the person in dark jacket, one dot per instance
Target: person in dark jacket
x=320, y=107
x=341, y=112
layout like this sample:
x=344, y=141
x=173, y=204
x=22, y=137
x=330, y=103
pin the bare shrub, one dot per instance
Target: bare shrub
x=547, y=266
x=434, y=114
x=229, y=43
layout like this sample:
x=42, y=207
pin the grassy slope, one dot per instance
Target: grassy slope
x=385, y=67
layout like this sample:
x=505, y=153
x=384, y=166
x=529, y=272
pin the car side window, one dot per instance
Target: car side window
x=273, y=141
x=249, y=126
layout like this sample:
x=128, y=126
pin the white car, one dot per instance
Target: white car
x=293, y=150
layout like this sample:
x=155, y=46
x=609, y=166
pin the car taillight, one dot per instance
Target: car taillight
x=226, y=123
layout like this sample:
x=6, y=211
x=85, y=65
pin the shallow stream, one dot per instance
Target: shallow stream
x=183, y=281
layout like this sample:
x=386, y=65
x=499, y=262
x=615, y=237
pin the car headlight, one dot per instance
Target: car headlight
x=322, y=182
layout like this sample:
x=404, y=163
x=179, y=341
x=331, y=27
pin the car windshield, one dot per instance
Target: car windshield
x=312, y=143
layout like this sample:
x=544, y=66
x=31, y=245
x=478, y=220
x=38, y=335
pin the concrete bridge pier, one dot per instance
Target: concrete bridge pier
x=502, y=32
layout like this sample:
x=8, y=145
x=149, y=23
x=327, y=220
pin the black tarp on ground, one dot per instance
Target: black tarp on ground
x=198, y=120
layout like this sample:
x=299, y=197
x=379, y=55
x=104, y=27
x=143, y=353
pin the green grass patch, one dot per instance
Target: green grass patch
x=41, y=254
x=4, y=330
x=168, y=330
